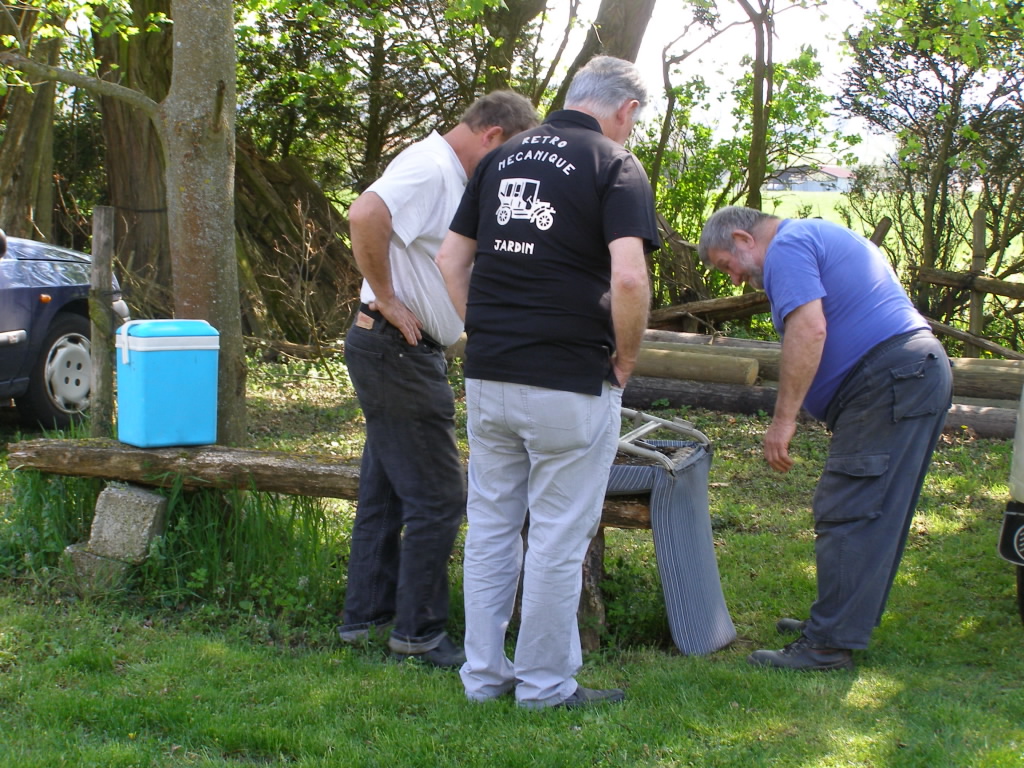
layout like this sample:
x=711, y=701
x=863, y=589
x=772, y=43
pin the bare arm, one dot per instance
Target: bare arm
x=370, y=226
x=630, y=300
x=801, y=353
x=455, y=260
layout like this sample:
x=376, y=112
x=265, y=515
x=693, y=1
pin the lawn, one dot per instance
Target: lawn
x=134, y=679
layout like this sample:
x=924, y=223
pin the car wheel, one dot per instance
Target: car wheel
x=61, y=379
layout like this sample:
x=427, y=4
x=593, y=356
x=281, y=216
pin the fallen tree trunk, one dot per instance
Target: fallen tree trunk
x=215, y=466
x=693, y=364
x=989, y=379
x=644, y=392
x=207, y=466
x=766, y=359
x=984, y=378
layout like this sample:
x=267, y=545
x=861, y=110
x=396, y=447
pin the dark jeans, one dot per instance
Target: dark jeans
x=885, y=419
x=412, y=479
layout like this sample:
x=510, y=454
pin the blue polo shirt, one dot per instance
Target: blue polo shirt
x=862, y=299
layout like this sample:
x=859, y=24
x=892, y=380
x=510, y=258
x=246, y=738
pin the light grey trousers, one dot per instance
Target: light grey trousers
x=548, y=452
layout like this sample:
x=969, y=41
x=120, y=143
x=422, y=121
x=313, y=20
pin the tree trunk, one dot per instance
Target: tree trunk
x=26, y=154
x=617, y=31
x=217, y=466
x=687, y=362
x=134, y=160
x=642, y=391
x=505, y=26
x=761, y=98
x=198, y=121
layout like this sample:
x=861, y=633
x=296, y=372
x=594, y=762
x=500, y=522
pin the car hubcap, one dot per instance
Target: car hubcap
x=69, y=373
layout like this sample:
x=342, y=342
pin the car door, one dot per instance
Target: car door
x=15, y=320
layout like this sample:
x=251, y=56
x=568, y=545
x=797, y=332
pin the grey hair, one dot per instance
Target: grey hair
x=717, y=232
x=604, y=84
x=508, y=110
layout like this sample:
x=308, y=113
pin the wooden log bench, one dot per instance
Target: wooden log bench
x=221, y=467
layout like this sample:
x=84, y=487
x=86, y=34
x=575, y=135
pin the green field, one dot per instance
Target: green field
x=795, y=205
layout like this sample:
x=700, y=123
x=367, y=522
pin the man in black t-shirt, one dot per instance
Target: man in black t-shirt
x=545, y=261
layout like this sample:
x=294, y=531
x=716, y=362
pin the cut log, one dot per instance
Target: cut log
x=644, y=392
x=704, y=339
x=690, y=363
x=986, y=378
x=214, y=466
x=983, y=421
x=209, y=466
x=766, y=359
x=989, y=379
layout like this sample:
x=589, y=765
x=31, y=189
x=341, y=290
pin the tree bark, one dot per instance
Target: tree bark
x=712, y=310
x=617, y=31
x=26, y=153
x=217, y=466
x=134, y=160
x=198, y=121
x=763, y=82
x=687, y=362
x=641, y=392
x=970, y=281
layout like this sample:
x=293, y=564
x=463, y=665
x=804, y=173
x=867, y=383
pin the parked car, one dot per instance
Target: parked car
x=45, y=365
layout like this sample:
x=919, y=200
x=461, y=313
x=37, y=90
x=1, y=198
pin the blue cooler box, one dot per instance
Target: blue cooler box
x=167, y=383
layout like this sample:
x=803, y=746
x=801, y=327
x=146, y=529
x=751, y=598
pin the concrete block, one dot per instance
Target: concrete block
x=96, y=574
x=127, y=520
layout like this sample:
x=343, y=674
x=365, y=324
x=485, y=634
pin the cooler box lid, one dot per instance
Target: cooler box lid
x=165, y=335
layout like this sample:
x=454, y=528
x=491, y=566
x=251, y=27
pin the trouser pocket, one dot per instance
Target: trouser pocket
x=851, y=488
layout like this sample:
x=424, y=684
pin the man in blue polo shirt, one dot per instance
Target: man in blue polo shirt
x=856, y=354
x=546, y=262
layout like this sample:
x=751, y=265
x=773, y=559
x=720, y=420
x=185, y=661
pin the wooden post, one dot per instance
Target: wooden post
x=881, y=230
x=101, y=405
x=978, y=264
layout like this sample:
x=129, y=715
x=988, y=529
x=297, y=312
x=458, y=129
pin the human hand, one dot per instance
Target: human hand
x=400, y=316
x=621, y=372
x=776, y=444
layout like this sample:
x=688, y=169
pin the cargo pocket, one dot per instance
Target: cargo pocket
x=851, y=488
x=914, y=388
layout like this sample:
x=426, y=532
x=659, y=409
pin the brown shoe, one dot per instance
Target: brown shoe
x=803, y=654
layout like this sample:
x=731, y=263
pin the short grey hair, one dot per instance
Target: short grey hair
x=508, y=110
x=604, y=84
x=717, y=232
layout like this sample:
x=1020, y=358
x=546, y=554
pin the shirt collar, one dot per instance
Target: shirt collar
x=582, y=119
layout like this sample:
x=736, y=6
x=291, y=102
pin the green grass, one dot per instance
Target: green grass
x=133, y=681
x=802, y=205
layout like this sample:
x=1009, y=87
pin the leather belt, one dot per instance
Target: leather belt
x=380, y=323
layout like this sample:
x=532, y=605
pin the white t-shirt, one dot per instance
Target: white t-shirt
x=422, y=188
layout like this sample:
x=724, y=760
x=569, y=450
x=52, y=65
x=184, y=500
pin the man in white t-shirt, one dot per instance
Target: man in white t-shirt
x=411, y=486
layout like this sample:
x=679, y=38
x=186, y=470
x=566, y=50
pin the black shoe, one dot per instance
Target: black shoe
x=585, y=697
x=365, y=635
x=803, y=654
x=446, y=655
x=790, y=626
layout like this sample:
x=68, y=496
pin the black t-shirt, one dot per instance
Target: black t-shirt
x=543, y=208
